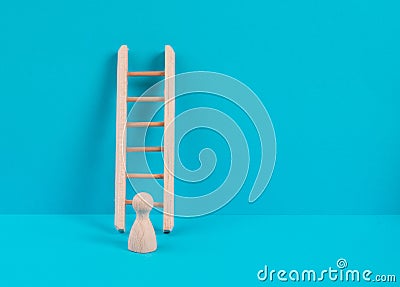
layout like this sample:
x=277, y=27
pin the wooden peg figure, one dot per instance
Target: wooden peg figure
x=142, y=238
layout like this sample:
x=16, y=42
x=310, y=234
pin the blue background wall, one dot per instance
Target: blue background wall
x=327, y=71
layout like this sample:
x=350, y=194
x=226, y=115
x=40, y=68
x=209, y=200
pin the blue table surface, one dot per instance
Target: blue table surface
x=214, y=250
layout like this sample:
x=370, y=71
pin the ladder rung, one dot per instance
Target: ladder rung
x=156, y=204
x=147, y=73
x=148, y=149
x=144, y=175
x=144, y=124
x=145, y=99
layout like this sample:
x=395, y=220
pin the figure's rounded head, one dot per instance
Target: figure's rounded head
x=142, y=201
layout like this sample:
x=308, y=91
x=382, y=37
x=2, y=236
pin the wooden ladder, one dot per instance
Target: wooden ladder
x=121, y=149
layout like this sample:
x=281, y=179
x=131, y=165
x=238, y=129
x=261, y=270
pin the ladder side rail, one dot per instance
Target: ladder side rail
x=120, y=152
x=169, y=139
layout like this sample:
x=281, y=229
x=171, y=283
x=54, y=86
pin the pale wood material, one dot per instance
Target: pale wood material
x=145, y=99
x=168, y=149
x=120, y=152
x=142, y=238
x=144, y=124
x=145, y=149
x=145, y=74
x=156, y=204
x=169, y=139
x=145, y=175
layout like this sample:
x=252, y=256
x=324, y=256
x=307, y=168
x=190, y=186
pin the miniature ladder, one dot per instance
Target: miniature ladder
x=168, y=149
